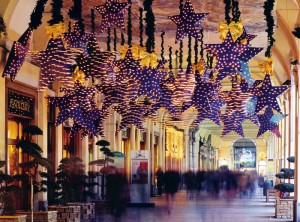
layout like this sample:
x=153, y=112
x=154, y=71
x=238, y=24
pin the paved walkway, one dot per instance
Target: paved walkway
x=201, y=209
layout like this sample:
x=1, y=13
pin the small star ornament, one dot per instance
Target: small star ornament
x=17, y=55
x=267, y=95
x=112, y=14
x=266, y=123
x=186, y=22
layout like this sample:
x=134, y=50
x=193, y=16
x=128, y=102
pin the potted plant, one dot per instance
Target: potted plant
x=9, y=190
x=284, y=201
x=33, y=171
x=72, y=188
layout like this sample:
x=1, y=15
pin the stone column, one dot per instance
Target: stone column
x=186, y=160
x=85, y=153
x=287, y=128
x=294, y=133
x=42, y=123
x=160, y=146
x=132, y=137
x=3, y=118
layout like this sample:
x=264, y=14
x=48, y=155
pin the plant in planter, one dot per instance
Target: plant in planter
x=71, y=181
x=286, y=173
x=35, y=162
x=9, y=190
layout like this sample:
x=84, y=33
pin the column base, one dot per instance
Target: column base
x=296, y=211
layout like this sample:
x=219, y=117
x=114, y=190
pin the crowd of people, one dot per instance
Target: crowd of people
x=231, y=183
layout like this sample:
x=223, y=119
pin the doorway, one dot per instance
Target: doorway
x=244, y=151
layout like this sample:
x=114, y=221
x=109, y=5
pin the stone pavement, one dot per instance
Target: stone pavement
x=201, y=208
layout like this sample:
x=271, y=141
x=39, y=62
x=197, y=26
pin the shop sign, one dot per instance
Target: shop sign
x=20, y=105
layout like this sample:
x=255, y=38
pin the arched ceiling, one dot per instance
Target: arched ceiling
x=16, y=14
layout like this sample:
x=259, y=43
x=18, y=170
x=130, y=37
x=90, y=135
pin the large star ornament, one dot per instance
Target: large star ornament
x=186, y=22
x=55, y=62
x=77, y=39
x=17, y=55
x=112, y=14
x=267, y=95
x=266, y=123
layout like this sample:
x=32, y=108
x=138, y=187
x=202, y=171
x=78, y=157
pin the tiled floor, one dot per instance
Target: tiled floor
x=201, y=209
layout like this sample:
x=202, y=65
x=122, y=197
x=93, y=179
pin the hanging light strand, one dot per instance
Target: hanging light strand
x=37, y=14
x=129, y=26
x=108, y=39
x=201, y=45
x=162, y=46
x=56, y=12
x=76, y=13
x=150, y=26
x=189, y=58
x=115, y=39
x=196, y=51
x=122, y=39
x=268, y=7
x=236, y=13
x=227, y=11
x=141, y=27
x=170, y=58
x=93, y=20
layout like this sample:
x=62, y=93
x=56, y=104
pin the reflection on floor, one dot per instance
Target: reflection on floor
x=201, y=208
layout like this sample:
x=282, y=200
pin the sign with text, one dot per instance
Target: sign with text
x=20, y=105
x=140, y=176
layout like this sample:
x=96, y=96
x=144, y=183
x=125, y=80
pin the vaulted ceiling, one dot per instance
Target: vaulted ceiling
x=16, y=13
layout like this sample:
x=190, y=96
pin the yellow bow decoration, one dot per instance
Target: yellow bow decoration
x=235, y=28
x=149, y=59
x=79, y=76
x=200, y=67
x=244, y=41
x=123, y=51
x=266, y=66
x=137, y=51
x=56, y=30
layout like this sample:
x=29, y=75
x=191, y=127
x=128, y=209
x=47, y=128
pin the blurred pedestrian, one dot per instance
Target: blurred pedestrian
x=159, y=174
x=172, y=180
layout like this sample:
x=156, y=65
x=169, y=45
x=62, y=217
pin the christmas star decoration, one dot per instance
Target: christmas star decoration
x=204, y=93
x=167, y=90
x=276, y=118
x=229, y=54
x=267, y=95
x=213, y=115
x=184, y=88
x=266, y=123
x=115, y=94
x=55, y=62
x=186, y=22
x=112, y=13
x=133, y=116
x=95, y=63
x=127, y=68
x=17, y=55
x=236, y=99
x=245, y=73
x=77, y=39
x=77, y=103
x=150, y=83
x=232, y=123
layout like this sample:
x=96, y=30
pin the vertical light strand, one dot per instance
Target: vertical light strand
x=108, y=39
x=129, y=25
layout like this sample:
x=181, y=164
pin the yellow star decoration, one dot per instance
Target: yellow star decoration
x=79, y=76
x=200, y=67
x=266, y=66
x=56, y=30
x=235, y=28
